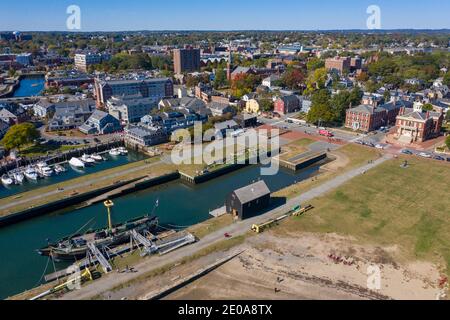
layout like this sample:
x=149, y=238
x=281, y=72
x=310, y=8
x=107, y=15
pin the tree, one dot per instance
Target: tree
x=447, y=79
x=427, y=107
x=12, y=72
x=314, y=63
x=321, y=110
x=293, y=78
x=20, y=135
x=316, y=80
x=243, y=84
x=266, y=105
x=447, y=142
x=220, y=79
x=387, y=96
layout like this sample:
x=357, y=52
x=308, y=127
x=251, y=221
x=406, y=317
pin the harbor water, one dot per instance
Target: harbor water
x=30, y=86
x=180, y=204
x=71, y=173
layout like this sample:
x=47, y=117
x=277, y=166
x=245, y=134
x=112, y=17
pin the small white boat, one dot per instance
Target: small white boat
x=31, y=174
x=19, y=177
x=44, y=169
x=123, y=151
x=59, y=169
x=87, y=159
x=114, y=152
x=77, y=163
x=97, y=157
x=7, y=180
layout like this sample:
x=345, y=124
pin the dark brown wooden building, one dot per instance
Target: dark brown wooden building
x=249, y=201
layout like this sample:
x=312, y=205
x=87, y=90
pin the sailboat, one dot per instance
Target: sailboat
x=75, y=247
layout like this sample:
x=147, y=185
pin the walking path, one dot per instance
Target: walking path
x=110, y=281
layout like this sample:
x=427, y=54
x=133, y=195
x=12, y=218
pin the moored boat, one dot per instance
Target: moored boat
x=59, y=169
x=97, y=157
x=76, y=247
x=44, y=169
x=77, y=163
x=114, y=152
x=7, y=180
x=123, y=151
x=87, y=160
x=19, y=177
x=31, y=174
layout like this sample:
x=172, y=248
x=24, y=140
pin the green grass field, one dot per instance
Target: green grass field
x=388, y=206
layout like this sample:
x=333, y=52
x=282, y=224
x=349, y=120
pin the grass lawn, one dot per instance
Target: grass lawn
x=389, y=206
x=304, y=142
x=295, y=148
x=43, y=149
x=202, y=229
x=351, y=156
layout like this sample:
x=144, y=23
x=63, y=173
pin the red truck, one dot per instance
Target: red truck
x=326, y=133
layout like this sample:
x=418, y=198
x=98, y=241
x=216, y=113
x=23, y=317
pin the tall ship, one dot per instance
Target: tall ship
x=75, y=247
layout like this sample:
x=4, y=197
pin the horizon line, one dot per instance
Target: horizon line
x=235, y=30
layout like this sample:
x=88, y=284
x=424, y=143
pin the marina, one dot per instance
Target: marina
x=36, y=177
x=23, y=267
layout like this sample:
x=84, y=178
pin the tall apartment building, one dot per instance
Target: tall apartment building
x=157, y=88
x=186, y=60
x=84, y=60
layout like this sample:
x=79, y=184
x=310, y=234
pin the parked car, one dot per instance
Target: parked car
x=379, y=146
x=439, y=158
x=407, y=152
x=425, y=155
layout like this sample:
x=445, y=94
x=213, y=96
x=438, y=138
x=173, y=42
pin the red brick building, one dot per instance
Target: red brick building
x=367, y=118
x=287, y=104
x=416, y=126
x=340, y=64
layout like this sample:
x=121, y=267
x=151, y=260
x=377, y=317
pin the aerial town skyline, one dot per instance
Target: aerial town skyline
x=50, y=15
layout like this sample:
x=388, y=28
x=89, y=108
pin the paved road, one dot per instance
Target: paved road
x=89, y=138
x=76, y=186
x=115, y=279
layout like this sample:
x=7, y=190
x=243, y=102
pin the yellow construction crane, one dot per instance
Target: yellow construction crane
x=86, y=275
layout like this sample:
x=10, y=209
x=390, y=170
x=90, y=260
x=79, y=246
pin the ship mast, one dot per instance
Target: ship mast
x=109, y=204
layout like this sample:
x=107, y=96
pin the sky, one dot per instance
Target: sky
x=130, y=15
